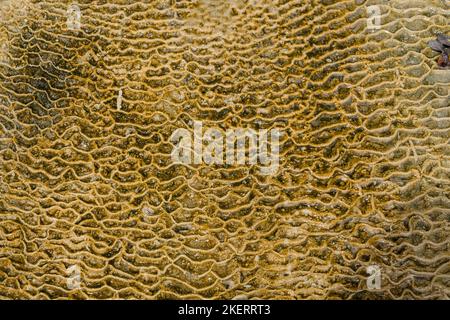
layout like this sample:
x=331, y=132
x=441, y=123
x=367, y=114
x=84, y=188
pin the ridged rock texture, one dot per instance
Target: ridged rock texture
x=87, y=182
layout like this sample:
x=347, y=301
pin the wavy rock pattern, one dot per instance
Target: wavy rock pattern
x=86, y=177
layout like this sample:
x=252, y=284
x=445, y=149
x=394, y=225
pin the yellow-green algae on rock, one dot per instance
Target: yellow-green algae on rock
x=88, y=188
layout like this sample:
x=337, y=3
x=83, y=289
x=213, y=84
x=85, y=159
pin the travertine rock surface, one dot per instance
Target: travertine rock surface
x=93, y=207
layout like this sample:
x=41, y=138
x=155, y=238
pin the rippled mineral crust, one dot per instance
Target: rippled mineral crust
x=87, y=182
